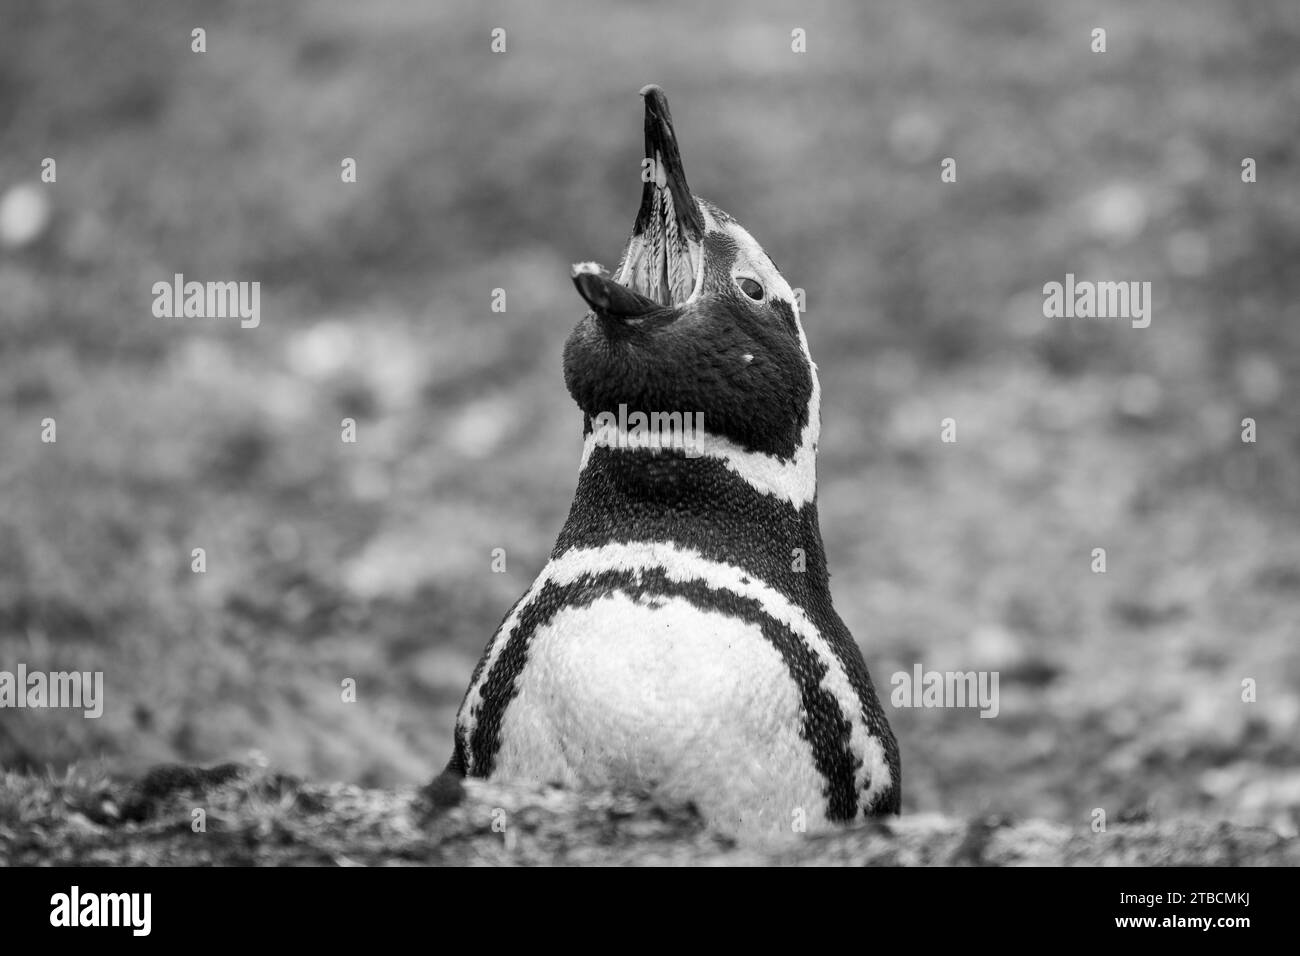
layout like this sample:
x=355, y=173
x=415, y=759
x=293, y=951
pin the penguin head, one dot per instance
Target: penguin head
x=697, y=319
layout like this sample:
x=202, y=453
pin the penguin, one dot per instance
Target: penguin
x=681, y=640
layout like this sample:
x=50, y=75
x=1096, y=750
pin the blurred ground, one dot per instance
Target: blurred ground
x=255, y=817
x=479, y=171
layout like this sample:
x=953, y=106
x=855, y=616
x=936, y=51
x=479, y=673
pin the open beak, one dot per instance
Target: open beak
x=665, y=257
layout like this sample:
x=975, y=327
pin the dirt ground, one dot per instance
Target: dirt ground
x=239, y=815
x=478, y=171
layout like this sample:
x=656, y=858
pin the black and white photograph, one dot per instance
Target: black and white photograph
x=628, y=434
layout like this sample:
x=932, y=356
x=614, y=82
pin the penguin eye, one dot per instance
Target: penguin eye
x=751, y=288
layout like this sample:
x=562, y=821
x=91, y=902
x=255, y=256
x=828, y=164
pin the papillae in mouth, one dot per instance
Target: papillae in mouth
x=662, y=263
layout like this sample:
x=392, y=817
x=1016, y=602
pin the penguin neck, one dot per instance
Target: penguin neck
x=754, y=511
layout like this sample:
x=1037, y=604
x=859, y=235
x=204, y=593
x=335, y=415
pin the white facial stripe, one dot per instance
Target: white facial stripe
x=682, y=565
x=753, y=261
x=793, y=481
x=710, y=224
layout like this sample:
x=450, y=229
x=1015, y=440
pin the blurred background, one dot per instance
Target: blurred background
x=478, y=171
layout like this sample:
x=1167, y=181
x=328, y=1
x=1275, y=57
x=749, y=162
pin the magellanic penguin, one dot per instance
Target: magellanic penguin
x=681, y=638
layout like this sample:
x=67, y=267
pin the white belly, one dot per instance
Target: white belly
x=662, y=695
